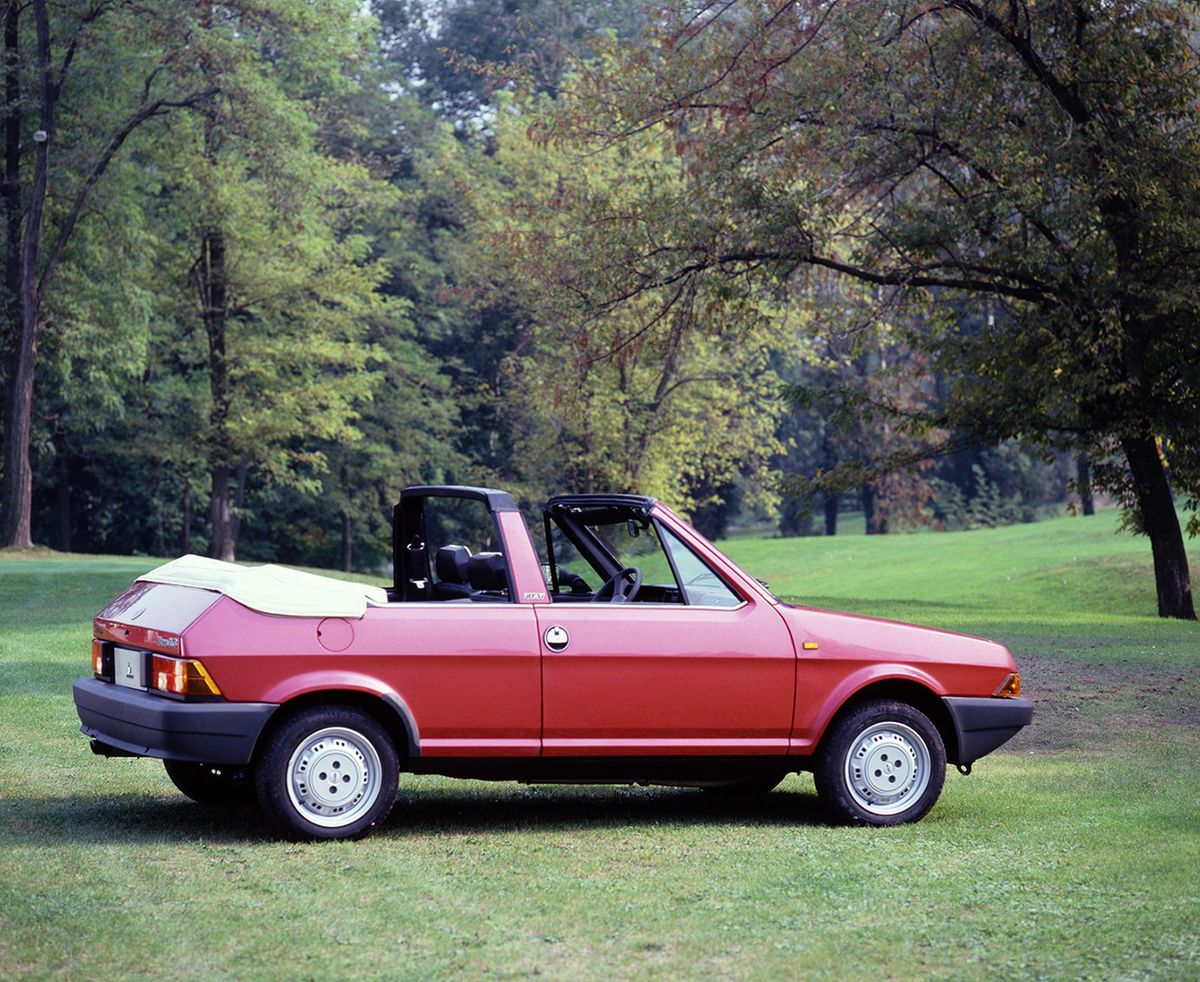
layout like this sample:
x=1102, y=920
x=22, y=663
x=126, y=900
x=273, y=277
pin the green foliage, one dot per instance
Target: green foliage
x=1028, y=174
x=611, y=290
x=457, y=52
x=668, y=402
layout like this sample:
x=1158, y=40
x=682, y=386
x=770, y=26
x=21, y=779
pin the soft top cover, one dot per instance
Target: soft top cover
x=271, y=589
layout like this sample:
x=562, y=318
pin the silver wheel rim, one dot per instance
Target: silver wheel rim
x=887, y=768
x=333, y=777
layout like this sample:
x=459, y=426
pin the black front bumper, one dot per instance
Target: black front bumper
x=134, y=722
x=983, y=724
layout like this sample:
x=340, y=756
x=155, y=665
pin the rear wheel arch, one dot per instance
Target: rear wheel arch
x=389, y=711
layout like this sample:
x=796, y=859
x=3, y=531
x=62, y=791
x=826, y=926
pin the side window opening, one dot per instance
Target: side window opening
x=587, y=546
x=465, y=553
x=576, y=576
x=701, y=586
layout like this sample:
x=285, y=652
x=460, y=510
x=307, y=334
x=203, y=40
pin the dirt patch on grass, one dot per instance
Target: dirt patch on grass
x=1080, y=704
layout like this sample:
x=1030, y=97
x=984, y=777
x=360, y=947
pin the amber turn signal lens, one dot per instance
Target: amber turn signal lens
x=1010, y=688
x=181, y=677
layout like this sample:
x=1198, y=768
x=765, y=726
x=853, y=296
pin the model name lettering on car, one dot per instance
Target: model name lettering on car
x=529, y=595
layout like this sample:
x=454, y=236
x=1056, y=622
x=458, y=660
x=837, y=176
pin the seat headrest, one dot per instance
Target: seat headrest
x=452, y=564
x=487, y=571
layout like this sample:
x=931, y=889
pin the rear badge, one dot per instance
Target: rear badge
x=129, y=668
x=556, y=638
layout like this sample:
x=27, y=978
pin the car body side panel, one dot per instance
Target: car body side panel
x=469, y=673
x=847, y=652
x=667, y=679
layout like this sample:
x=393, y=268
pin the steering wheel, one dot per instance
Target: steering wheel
x=623, y=584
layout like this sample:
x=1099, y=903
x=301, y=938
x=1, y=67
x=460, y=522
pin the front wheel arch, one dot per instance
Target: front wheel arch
x=900, y=690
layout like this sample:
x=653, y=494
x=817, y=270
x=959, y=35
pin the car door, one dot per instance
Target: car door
x=667, y=678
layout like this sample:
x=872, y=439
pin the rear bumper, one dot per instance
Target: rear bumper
x=982, y=725
x=143, y=725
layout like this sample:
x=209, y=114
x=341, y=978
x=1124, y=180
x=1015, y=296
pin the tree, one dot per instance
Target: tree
x=669, y=406
x=40, y=216
x=271, y=249
x=457, y=51
x=1037, y=165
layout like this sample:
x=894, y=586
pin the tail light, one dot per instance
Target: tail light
x=181, y=677
x=102, y=659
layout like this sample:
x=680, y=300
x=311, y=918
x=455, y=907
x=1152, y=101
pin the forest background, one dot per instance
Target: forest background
x=266, y=263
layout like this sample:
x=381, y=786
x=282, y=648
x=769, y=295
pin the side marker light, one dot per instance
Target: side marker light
x=1010, y=688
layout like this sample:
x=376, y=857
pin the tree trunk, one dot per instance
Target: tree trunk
x=16, y=488
x=239, y=502
x=1172, y=578
x=870, y=499
x=212, y=283
x=62, y=503
x=831, y=512
x=10, y=191
x=220, y=516
x=347, y=530
x=160, y=530
x=1083, y=480
x=185, y=530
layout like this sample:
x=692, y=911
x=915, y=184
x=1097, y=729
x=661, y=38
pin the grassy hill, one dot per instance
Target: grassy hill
x=1073, y=853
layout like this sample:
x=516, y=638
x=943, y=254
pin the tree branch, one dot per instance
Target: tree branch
x=142, y=113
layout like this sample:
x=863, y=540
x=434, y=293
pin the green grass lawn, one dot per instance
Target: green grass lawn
x=1074, y=853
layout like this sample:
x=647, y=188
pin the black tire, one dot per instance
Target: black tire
x=329, y=772
x=883, y=763
x=212, y=784
x=751, y=787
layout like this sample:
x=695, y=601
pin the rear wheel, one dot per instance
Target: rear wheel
x=330, y=772
x=884, y=763
x=211, y=784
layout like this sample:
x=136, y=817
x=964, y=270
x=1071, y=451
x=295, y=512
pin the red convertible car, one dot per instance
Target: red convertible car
x=634, y=653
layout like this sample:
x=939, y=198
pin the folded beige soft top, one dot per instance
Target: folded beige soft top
x=271, y=589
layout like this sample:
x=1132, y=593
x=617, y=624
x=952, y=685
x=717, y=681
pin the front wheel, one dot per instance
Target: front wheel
x=884, y=763
x=329, y=772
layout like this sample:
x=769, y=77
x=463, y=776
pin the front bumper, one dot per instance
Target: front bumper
x=983, y=724
x=137, y=723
